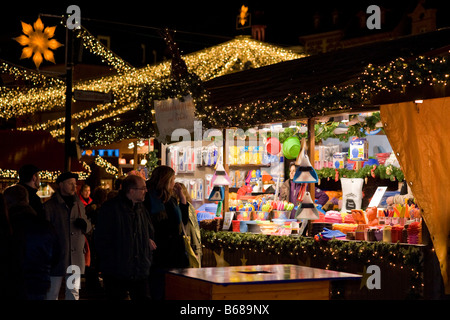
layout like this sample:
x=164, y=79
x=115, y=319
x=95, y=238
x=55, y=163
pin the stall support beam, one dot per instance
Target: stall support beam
x=227, y=170
x=311, y=147
x=135, y=156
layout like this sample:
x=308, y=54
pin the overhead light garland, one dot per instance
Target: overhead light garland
x=180, y=84
x=45, y=175
x=94, y=45
x=237, y=54
x=303, y=105
x=34, y=78
x=108, y=166
x=234, y=55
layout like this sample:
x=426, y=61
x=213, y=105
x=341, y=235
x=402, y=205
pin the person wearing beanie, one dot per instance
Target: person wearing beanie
x=30, y=179
x=67, y=214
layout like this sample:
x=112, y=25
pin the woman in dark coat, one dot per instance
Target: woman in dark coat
x=166, y=215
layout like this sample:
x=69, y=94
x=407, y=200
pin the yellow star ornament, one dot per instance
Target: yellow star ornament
x=37, y=42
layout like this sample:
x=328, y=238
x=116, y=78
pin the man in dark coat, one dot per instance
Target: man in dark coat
x=123, y=240
x=30, y=179
x=67, y=214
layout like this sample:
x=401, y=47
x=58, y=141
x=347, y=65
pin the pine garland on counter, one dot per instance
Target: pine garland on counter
x=335, y=254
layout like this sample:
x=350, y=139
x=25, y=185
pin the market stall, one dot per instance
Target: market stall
x=347, y=82
x=257, y=99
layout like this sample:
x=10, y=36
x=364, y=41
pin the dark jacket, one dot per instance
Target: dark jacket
x=121, y=238
x=166, y=219
x=34, y=200
x=36, y=249
x=320, y=196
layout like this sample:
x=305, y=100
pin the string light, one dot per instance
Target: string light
x=45, y=175
x=334, y=254
x=109, y=168
x=234, y=55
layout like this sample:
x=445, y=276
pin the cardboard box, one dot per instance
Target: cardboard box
x=339, y=160
x=359, y=149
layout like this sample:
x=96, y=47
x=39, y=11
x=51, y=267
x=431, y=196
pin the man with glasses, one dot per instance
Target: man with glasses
x=123, y=240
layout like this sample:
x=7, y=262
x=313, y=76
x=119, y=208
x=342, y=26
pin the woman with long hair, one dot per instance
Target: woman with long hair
x=166, y=214
x=192, y=228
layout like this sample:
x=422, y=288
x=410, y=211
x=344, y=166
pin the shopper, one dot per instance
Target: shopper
x=29, y=178
x=192, y=228
x=92, y=276
x=166, y=215
x=85, y=194
x=123, y=240
x=405, y=195
x=66, y=212
x=290, y=190
x=7, y=277
x=35, y=245
x=98, y=198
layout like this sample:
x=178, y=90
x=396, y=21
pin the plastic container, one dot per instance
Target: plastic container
x=277, y=214
x=235, y=224
x=273, y=146
x=204, y=215
x=291, y=147
x=259, y=215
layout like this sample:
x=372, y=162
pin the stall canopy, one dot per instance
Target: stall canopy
x=418, y=132
x=295, y=89
x=315, y=85
x=37, y=147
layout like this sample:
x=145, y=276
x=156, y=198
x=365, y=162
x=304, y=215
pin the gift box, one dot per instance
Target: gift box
x=323, y=156
x=339, y=160
x=359, y=149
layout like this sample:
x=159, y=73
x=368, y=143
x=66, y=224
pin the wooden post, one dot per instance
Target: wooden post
x=227, y=170
x=135, y=155
x=311, y=147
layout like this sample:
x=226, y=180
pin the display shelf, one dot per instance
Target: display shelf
x=232, y=166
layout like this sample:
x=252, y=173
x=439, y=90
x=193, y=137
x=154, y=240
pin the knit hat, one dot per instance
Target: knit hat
x=27, y=171
x=66, y=175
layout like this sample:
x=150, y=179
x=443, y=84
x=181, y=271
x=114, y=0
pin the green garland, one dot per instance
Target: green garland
x=375, y=171
x=323, y=131
x=336, y=254
x=152, y=161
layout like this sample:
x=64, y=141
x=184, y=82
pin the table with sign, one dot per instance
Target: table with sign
x=265, y=282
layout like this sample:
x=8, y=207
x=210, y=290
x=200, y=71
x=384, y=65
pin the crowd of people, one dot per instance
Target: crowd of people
x=121, y=242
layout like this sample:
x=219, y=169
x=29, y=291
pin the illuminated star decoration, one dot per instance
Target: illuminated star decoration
x=37, y=42
x=243, y=15
x=365, y=277
x=220, y=260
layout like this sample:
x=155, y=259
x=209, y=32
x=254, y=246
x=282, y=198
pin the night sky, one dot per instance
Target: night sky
x=199, y=24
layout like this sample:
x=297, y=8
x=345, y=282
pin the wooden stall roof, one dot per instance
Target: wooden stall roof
x=312, y=73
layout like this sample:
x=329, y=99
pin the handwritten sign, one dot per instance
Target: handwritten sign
x=172, y=114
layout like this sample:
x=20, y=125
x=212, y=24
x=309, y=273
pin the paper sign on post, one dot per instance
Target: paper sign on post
x=377, y=196
x=172, y=114
x=227, y=220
